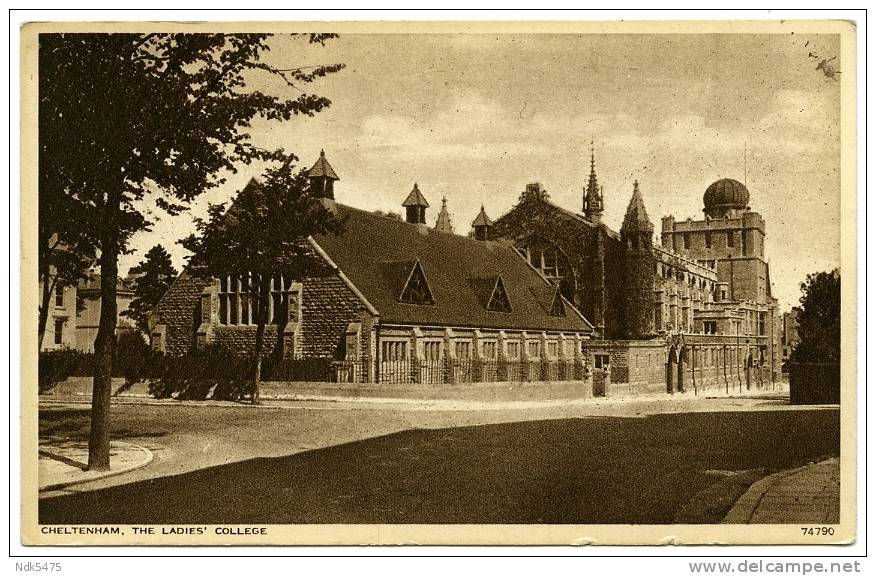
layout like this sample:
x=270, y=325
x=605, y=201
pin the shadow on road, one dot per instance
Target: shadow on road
x=74, y=423
x=582, y=470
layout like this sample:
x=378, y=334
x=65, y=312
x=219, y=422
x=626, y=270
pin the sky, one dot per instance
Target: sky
x=475, y=117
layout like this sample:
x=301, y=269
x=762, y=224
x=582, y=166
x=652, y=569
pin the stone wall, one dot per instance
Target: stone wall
x=179, y=312
x=328, y=307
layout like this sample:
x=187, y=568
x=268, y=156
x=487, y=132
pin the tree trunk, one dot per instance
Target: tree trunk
x=264, y=294
x=105, y=343
x=45, y=302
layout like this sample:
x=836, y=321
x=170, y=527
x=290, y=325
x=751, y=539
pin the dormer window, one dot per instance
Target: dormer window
x=416, y=290
x=557, y=307
x=499, y=301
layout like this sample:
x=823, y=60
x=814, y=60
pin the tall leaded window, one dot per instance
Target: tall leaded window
x=545, y=257
x=239, y=303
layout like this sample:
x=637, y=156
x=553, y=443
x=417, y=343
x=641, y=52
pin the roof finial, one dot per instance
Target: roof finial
x=322, y=152
x=592, y=158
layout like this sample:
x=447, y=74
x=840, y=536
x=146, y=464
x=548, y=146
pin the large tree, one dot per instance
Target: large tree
x=262, y=234
x=818, y=322
x=128, y=117
x=152, y=277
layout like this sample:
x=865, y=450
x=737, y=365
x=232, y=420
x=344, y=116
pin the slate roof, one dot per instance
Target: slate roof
x=322, y=168
x=377, y=254
x=482, y=219
x=415, y=198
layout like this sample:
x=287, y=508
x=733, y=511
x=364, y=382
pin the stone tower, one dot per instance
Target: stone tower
x=415, y=206
x=593, y=207
x=322, y=178
x=637, y=234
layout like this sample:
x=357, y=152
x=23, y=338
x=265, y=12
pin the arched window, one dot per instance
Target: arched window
x=552, y=262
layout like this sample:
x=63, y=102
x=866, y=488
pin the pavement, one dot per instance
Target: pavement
x=805, y=495
x=64, y=462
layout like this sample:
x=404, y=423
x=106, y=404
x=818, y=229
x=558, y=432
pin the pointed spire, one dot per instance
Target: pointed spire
x=443, y=223
x=637, y=226
x=593, y=206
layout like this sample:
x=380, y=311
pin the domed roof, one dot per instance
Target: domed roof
x=726, y=192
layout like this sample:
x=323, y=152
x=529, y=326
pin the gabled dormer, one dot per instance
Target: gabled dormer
x=557, y=307
x=499, y=301
x=416, y=288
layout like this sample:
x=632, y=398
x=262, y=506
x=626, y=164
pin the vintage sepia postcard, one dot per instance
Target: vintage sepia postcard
x=512, y=283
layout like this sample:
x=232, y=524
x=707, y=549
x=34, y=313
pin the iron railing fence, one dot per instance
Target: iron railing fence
x=456, y=371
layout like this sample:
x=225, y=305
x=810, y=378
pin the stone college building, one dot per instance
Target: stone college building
x=542, y=294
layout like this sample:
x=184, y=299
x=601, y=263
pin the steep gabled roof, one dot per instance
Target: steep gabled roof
x=415, y=198
x=322, y=168
x=377, y=254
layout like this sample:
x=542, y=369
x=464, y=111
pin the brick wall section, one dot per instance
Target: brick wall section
x=180, y=311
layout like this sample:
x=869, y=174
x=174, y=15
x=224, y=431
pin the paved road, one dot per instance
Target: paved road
x=598, y=462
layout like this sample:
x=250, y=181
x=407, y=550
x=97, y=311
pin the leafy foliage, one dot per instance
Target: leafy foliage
x=154, y=276
x=818, y=323
x=124, y=118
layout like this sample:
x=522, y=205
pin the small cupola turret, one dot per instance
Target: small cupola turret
x=481, y=225
x=322, y=178
x=415, y=206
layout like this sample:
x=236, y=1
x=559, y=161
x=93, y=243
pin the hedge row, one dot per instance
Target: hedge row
x=210, y=373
